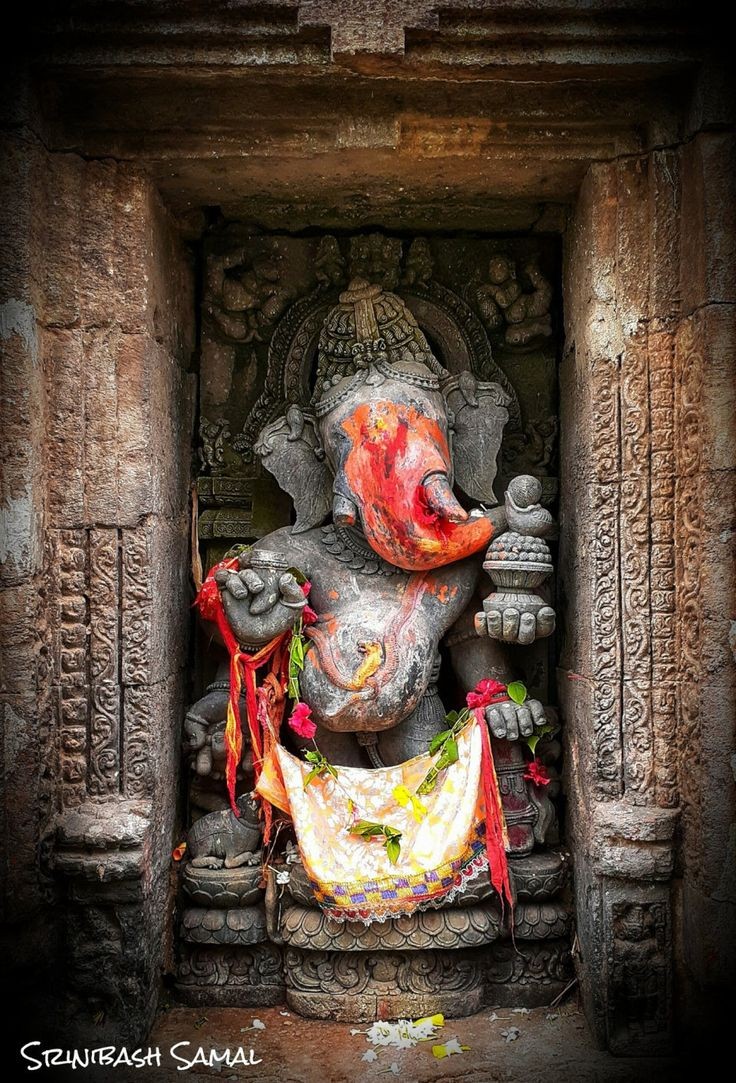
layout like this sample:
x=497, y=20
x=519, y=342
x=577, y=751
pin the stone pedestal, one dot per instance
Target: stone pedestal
x=230, y=976
x=452, y=960
x=360, y=987
x=224, y=955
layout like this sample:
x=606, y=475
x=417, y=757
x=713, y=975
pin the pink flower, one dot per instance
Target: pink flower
x=308, y=615
x=486, y=692
x=306, y=587
x=537, y=773
x=301, y=722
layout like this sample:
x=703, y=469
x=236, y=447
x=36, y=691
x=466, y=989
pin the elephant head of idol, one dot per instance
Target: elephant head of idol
x=388, y=435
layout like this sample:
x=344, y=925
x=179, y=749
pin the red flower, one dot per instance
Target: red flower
x=301, y=722
x=485, y=692
x=537, y=773
x=308, y=615
x=306, y=587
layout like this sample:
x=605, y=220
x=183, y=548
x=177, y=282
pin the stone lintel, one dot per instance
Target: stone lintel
x=364, y=27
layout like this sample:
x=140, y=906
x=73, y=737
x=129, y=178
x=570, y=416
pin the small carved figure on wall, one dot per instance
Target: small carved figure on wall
x=505, y=306
x=245, y=297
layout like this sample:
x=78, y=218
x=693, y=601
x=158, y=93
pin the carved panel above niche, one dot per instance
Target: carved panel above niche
x=484, y=304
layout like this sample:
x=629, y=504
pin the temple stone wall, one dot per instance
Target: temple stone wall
x=97, y=322
x=608, y=125
x=647, y=527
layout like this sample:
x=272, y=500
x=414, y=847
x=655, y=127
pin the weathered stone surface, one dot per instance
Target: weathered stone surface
x=503, y=152
x=20, y=663
x=65, y=360
x=95, y=827
x=239, y=926
x=229, y=976
x=104, y=453
x=360, y=987
x=621, y=273
x=708, y=267
x=312, y=929
x=633, y=842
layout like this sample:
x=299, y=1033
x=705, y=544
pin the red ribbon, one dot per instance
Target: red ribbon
x=243, y=670
x=498, y=867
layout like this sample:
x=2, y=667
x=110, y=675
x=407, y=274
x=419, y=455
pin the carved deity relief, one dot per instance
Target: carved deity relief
x=385, y=416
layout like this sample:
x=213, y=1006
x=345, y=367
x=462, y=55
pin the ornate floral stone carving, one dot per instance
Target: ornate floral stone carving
x=311, y=929
x=242, y=925
x=527, y=973
x=239, y=977
x=364, y=986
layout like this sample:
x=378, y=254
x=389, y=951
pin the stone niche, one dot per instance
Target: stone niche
x=137, y=156
x=487, y=305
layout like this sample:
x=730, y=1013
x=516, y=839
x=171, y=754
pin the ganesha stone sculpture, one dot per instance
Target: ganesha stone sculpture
x=393, y=556
x=390, y=459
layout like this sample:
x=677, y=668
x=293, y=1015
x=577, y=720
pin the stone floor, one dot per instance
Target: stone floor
x=553, y=1046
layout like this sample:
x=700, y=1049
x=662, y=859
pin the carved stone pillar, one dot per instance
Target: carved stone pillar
x=644, y=457
x=107, y=572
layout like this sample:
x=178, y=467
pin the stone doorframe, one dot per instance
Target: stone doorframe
x=619, y=140
x=646, y=677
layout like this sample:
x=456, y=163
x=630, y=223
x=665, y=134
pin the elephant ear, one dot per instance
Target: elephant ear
x=290, y=449
x=479, y=416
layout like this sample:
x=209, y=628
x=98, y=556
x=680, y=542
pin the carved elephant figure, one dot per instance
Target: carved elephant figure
x=204, y=725
x=392, y=449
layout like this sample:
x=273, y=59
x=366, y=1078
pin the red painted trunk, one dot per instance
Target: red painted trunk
x=392, y=450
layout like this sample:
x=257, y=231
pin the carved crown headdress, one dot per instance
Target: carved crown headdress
x=369, y=326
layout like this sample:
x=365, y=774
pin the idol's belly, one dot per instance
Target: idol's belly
x=363, y=678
